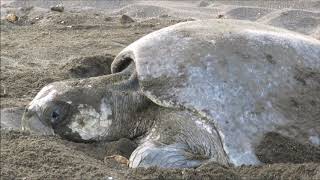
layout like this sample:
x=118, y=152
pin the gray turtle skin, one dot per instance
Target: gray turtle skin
x=191, y=93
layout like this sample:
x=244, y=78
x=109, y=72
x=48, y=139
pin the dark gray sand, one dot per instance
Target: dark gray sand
x=35, y=157
x=44, y=46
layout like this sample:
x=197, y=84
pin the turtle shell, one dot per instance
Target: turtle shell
x=245, y=78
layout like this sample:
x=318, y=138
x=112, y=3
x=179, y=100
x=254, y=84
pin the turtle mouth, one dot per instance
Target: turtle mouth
x=32, y=122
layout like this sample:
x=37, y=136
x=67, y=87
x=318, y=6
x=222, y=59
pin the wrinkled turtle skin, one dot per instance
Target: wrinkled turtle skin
x=191, y=93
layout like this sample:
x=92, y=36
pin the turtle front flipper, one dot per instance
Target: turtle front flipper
x=166, y=156
x=179, y=139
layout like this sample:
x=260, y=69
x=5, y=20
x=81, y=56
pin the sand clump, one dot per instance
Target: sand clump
x=58, y=8
x=126, y=19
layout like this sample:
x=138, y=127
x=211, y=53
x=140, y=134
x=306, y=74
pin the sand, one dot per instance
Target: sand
x=44, y=46
x=37, y=157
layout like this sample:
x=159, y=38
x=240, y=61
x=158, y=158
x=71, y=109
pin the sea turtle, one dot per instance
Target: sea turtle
x=191, y=93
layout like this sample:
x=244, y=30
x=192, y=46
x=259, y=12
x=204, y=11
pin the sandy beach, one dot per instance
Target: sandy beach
x=43, y=46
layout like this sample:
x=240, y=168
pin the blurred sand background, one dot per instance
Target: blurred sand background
x=42, y=46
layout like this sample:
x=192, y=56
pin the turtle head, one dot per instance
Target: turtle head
x=44, y=112
x=78, y=110
x=92, y=109
x=75, y=110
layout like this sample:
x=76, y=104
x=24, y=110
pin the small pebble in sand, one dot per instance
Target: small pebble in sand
x=164, y=16
x=220, y=16
x=12, y=18
x=126, y=19
x=58, y=8
x=107, y=19
x=119, y=159
x=4, y=94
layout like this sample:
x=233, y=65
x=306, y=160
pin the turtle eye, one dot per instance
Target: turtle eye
x=55, y=118
x=55, y=115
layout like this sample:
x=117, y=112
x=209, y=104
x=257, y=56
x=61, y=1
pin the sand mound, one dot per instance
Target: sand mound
x=247, y=13
x=35, y=157
x=275, y=148
x=69, y=5
x=304, y=21
x=205, y=3
x=211, y=171
x=301, y=21
x=215, y=171
x=273, y=4
x=142, y=11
